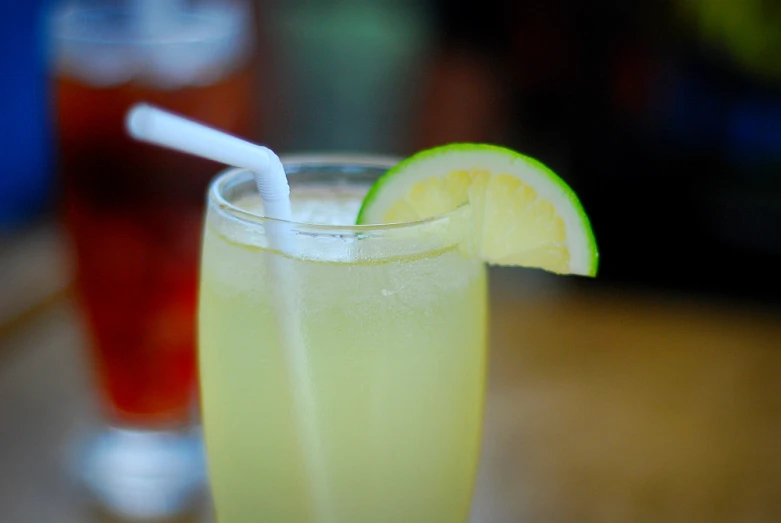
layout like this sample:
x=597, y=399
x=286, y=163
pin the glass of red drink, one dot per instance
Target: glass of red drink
x=133, y=213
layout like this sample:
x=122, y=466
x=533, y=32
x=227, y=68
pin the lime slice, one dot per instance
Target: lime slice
x=522, y=213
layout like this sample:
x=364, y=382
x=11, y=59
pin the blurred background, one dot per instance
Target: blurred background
x=664, y=116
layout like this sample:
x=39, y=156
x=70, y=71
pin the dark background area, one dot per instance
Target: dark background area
x=664, y=116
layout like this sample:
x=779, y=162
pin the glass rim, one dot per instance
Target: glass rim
x=71, y=13
x=221, y=204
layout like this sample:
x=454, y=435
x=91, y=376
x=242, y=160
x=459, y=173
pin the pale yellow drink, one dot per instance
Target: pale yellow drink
x=394, y=331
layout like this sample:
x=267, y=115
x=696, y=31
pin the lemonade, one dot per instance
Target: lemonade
x=393, y=327
x=343, y=366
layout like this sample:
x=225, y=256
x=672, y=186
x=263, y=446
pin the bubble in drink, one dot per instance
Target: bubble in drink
x=316, y=205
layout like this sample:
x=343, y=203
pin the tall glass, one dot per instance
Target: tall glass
x=133, y=213
x=341, y=381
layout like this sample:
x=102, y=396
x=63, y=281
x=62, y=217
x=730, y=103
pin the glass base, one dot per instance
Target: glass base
x=139, y=474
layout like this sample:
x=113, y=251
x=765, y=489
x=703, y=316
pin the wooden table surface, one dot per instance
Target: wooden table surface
x=602, y=406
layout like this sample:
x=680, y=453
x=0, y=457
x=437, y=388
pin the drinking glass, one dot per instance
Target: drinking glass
x=133, y=213
x=342, y=380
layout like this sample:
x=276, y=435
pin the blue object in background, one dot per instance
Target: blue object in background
x=25, y=132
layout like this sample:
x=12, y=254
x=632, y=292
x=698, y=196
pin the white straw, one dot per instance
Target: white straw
x=149, y=124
